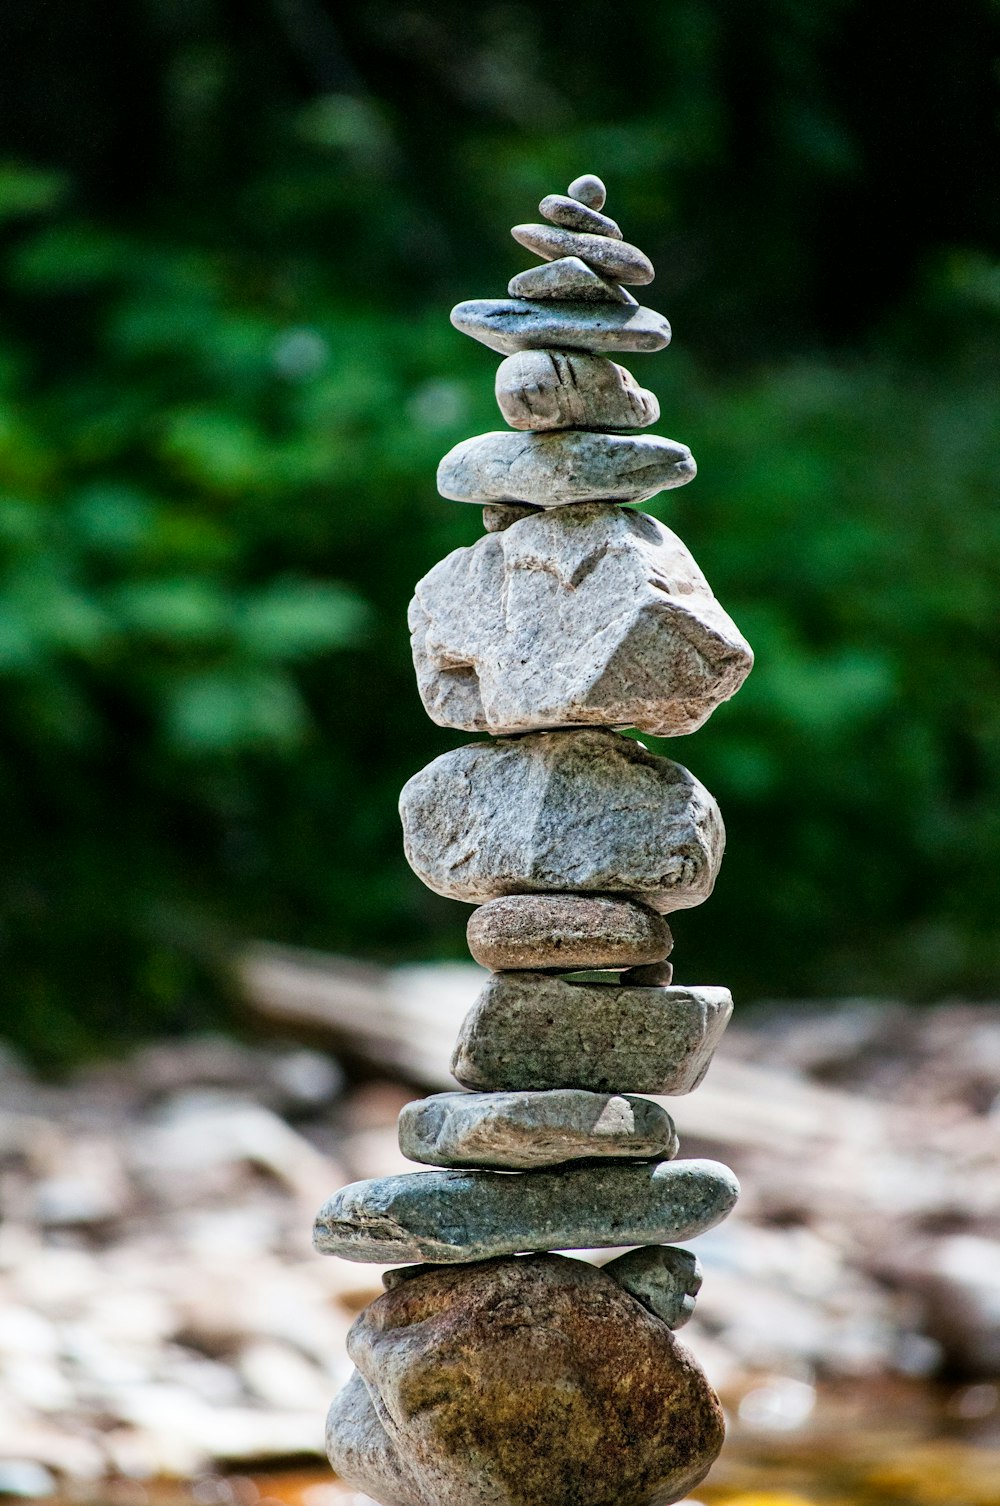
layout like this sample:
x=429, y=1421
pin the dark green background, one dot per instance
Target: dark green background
x=231, y=234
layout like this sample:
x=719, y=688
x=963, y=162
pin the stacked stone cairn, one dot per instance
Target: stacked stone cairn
x=498, y=1373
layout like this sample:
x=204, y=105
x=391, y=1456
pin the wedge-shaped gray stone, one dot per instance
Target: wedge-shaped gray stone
x=563, y=468
x=665, y=1279
x=570, y=214
x=509, y=324
x=519, y=1131
x=567, y=932
x=532, y=1031
x=618, y=260
x=571, y=617
x=454, y=1216
x=579, y=812
x=561, y=389
x=569, y=278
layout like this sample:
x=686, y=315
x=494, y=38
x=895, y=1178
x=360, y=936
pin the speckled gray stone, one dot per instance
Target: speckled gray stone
x=588, y=189
x=519, y=1131
x=560, y=389
x=617, y=260
x=451, y=1216
x=568, y=279
x=500, y=515
x=532, y=1031
x=663, y=1278
x=563, y=468
x=575, y=616
x=580, y=812
x=567, y=931
x=570, y=214
x=509, y=324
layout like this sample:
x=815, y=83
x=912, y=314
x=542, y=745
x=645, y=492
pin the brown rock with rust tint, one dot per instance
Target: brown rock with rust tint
x=533, y=1381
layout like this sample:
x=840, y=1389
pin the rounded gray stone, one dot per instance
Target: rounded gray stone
x=581, y=812
x=568, y=213
x=559, y=389
x=589, y=190
x=618, y=260
x=665, y=1279
x=509, y=324
x=563, y=468
x=453, y=1216
x=569, y=279
x=519, y=1131
x=566, y=931
x=648, y=975
x=528, y=1032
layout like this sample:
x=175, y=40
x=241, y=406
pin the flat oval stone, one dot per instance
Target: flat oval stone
x=665, y=1279
x=534, y=1381
x=570, y=214
x=649, y=975
x=519, y=1131
x=619, y=260
x=563, y=468
x=561, y=389
x=568, y=278
x=566, y=931
x=528, y=1032
x=582, y=812
x=452, y=1216
x=509, y=324
x=589, y=190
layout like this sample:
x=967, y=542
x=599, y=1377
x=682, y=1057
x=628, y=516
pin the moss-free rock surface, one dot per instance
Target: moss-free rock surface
x=563, y=467
x=566, y=931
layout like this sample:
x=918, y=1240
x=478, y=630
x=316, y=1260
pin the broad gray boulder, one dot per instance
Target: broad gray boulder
x=558, y=469
x=562, y=389
x=509, y=324
x=566, y=931
x=586, y=615
x=581, y=812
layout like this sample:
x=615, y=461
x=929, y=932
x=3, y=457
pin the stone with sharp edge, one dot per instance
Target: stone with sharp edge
x=561, y=468
x=588, y=189
x=509, y=324
x=618, y=260
x=563, y=389
x=569, y=214
x=567, y=279
x=665, y=1279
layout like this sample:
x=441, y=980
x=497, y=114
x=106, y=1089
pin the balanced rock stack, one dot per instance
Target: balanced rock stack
x=500, y=1374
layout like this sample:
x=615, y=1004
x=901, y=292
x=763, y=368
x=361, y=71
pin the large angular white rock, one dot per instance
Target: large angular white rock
x=581, y=812
x=562, y=468
x=577, y=616
x=563, y=389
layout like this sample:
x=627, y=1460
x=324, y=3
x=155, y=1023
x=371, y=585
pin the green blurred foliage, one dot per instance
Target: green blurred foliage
x=226, y=377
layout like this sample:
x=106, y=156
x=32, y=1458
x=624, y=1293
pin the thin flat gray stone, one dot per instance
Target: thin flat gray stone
x=519, y=1131
x=567, y=279
x=528, y=1032
x=562, y=468
x=578, y=812
x=566, y=389
x=665, y=1279
x=456, y=1216
x=618, y=260
x=588, y=189
x=509, y=324
x=567, y=932
x=570, y=214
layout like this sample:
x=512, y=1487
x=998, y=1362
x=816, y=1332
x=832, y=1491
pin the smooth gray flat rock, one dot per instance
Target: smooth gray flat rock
x=509, y=324
x=568, y=213
x=569, y=279
x=617, y=260
x=576, y=616
x=563, y=468
x=663, y=1278
x=588, y=189
x=533, y=1031
x=520, y=1131
x=561, y=389
x=580, y=812
x=451, y=1216
x=648, y=975
x=567, y=932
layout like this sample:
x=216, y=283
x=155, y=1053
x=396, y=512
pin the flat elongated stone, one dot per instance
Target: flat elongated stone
x=574, y=616
x=519, y=1131
x=559, y=389
x=589, y=190
x=566, y=931
x=509, y=324
x=563, y=468
x=522, y=1382
x=569, y=278
x=649, y=975
x=451, y=1216
x=618, y=260
x=570, y=214
x=532, y=1031
x=580, y=812
x=663, y=1278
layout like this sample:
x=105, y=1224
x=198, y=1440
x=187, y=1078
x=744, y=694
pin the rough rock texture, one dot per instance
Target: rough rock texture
x=500, y=515
x=563, y=468
x=530, y=1031
x=453, y=1216
x=567, y=278
x=591, y=615
x=584, y=812
x=566, y=931
x=531, y=1382
x=518, y=1131
x=618, y=260
x=509, y=324
x=588, y=189
x=663, y=1278
x=570, y=214
x=558, y=389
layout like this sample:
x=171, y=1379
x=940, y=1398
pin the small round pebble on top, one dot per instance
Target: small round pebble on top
x=588, y=190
